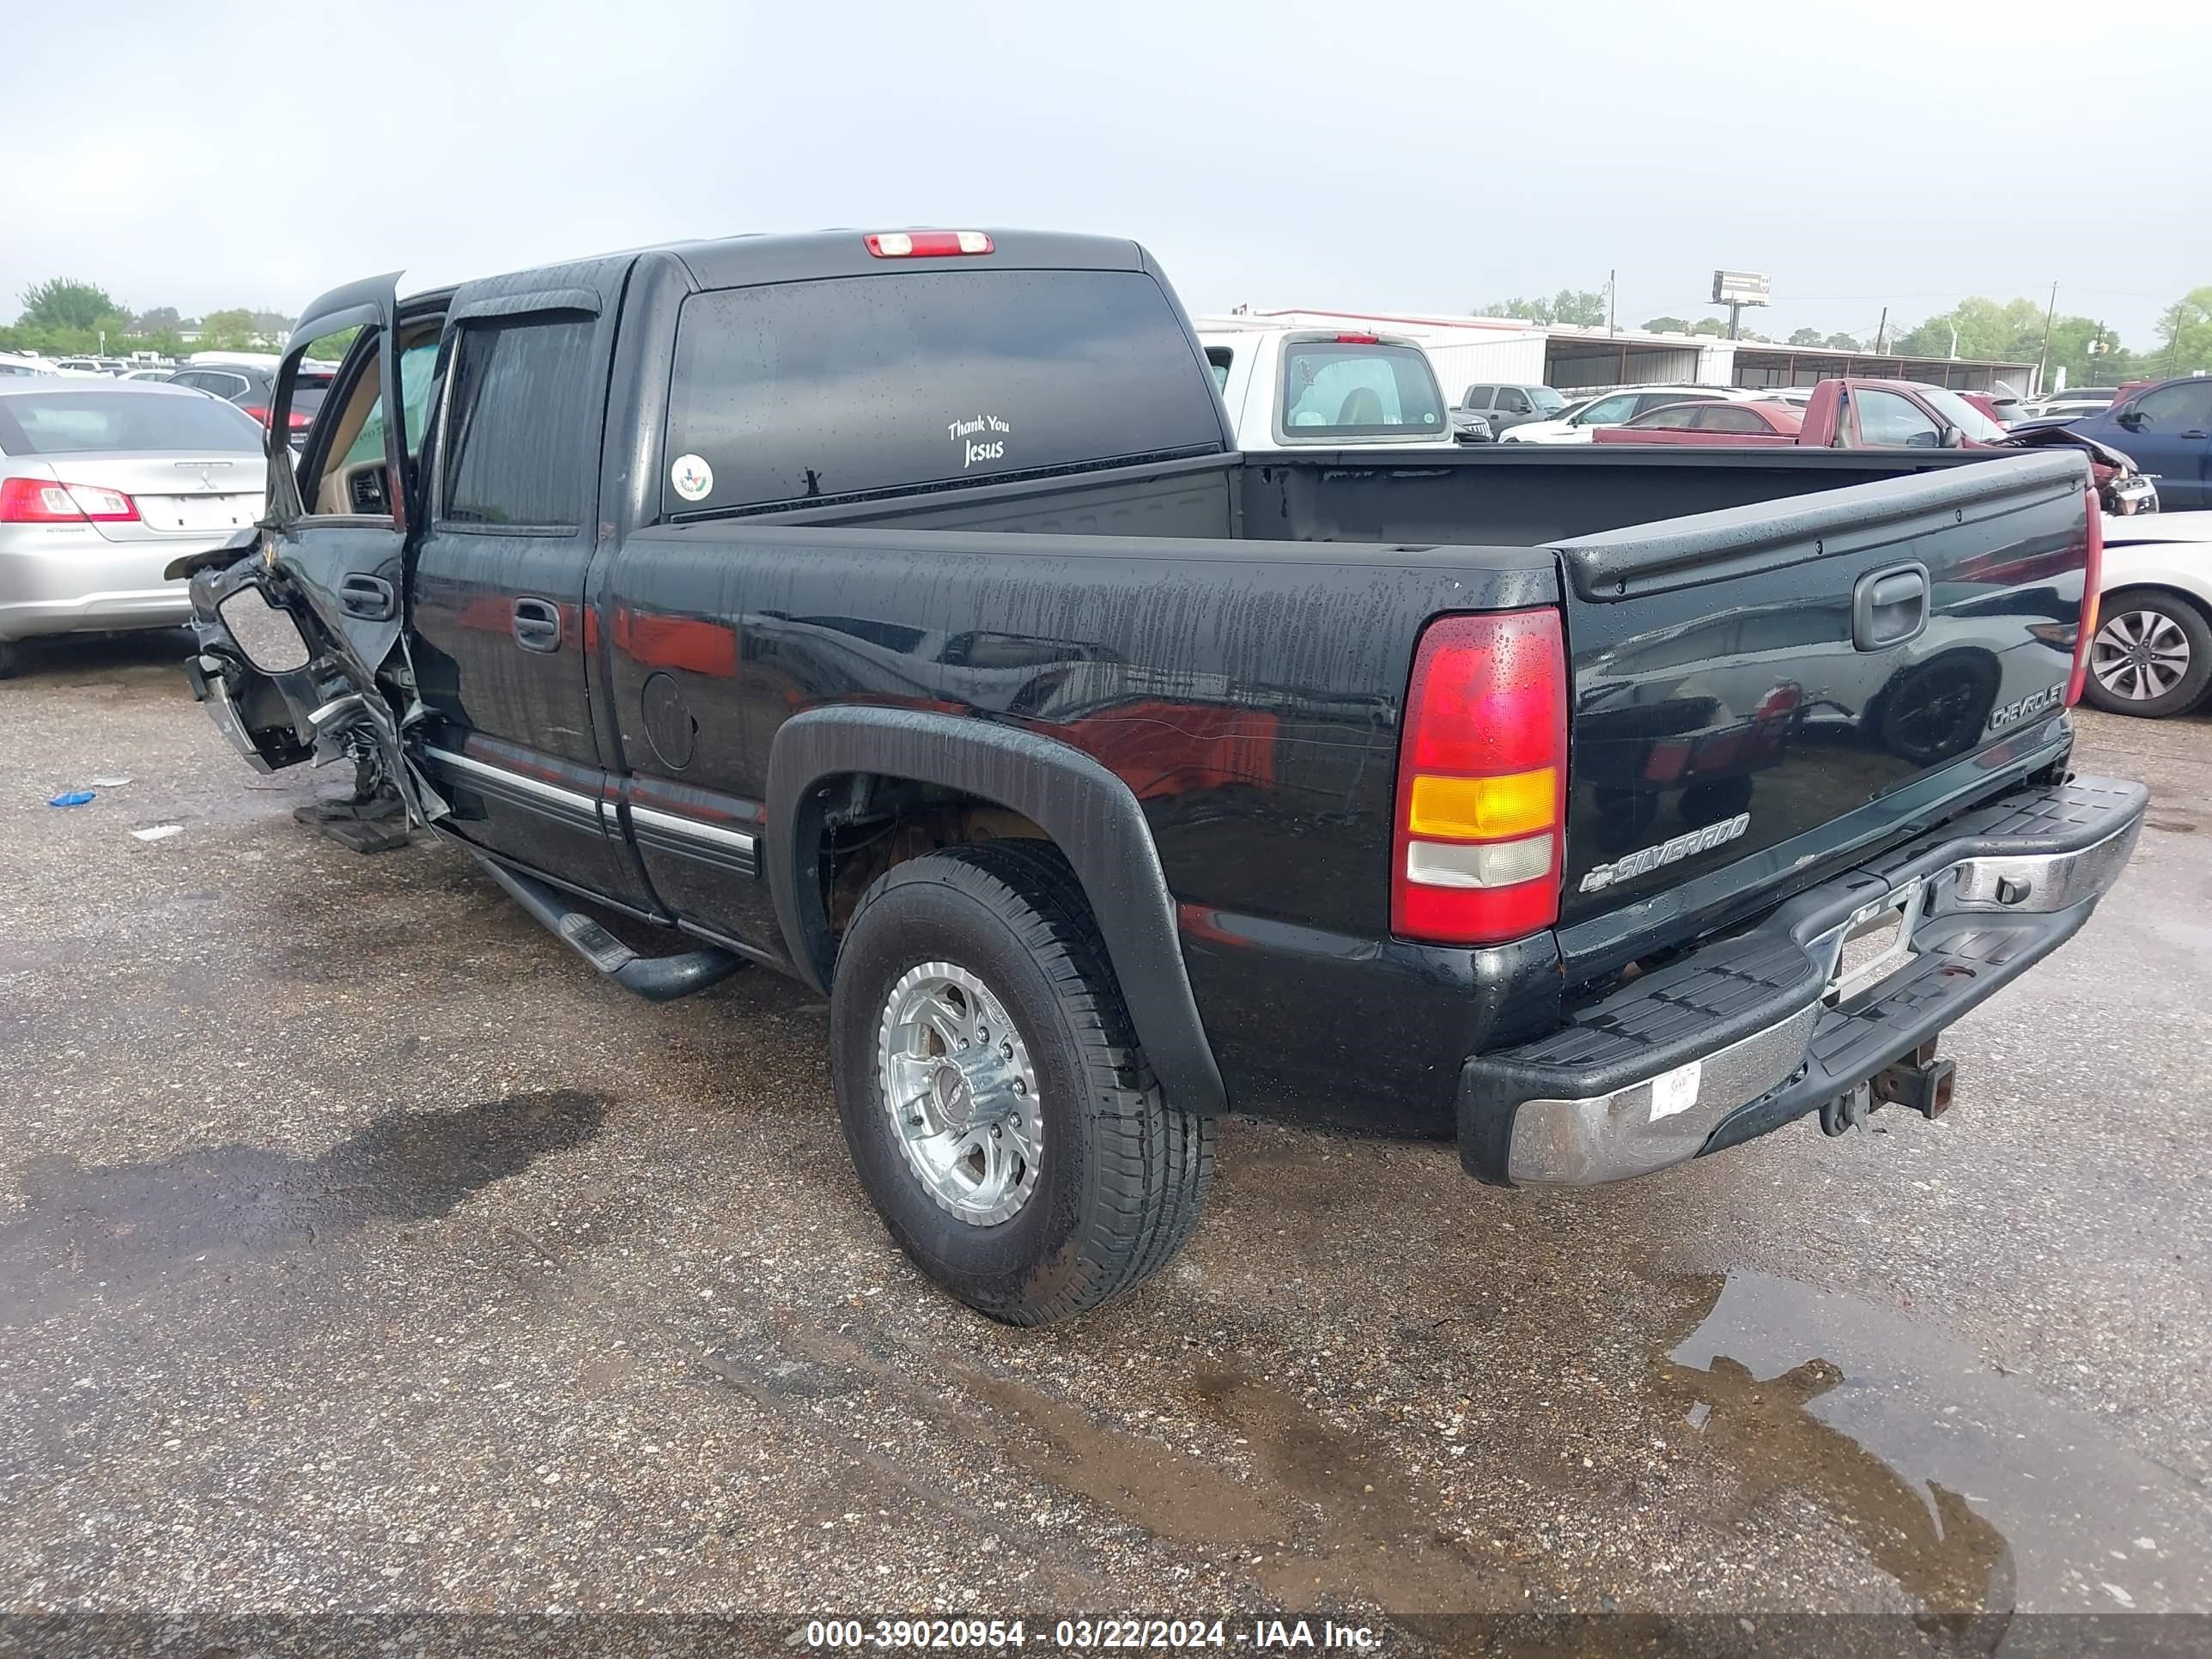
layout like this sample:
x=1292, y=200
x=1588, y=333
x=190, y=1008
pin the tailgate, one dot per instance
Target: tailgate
x=1762, y=692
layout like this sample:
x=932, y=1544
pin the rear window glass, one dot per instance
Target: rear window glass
x=1340, y=390
x=74, y=423
x=805, y=391
x=1219, y=359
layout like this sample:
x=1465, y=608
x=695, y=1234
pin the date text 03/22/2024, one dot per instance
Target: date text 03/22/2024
x=1085, y=1635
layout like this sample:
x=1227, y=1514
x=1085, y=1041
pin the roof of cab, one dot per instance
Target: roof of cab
x=738, y=261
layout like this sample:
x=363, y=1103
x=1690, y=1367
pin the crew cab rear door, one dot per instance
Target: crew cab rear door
x=1759, y=692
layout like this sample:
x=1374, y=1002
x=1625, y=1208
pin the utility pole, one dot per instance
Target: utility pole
x=1611, y=302
x=1735, y=314
x=1881, y=331
x=2042, y=363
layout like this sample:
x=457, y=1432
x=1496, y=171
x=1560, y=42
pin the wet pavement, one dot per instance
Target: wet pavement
x=360, y=1249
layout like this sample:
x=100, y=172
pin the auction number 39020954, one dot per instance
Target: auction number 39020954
x=1081, y=1635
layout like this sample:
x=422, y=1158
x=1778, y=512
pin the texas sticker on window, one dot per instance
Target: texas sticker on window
x=693, y=478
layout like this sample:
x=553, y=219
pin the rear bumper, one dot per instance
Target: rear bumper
x=90, y=613
x=1745, y=1033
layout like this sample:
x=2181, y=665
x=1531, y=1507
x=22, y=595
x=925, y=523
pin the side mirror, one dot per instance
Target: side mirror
x=1949, y=437
x=2130, y=418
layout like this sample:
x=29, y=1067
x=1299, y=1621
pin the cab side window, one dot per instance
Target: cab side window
x=516, y=419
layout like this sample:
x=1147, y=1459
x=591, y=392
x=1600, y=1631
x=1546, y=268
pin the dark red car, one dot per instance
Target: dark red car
x=1709, y=423
x=1868, y=414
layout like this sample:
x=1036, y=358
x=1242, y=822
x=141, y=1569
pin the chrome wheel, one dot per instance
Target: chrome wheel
x=2139, y=654
x=956, y=1079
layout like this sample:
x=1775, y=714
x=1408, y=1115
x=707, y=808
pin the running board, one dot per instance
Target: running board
x=657, y=979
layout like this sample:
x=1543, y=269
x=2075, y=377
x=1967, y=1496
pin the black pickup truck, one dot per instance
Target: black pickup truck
x=895, y=611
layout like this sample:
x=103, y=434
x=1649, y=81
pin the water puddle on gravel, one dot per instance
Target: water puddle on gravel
x=1324, y=1512
x=109, y=1230
x=1966, y=1485
x=1825, y=1444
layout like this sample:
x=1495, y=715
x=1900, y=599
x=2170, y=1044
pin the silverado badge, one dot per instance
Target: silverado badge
x=1600, y=876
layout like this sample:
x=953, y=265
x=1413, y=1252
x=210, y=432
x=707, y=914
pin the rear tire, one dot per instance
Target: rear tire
x=2151, y=655
x=1115, y=1173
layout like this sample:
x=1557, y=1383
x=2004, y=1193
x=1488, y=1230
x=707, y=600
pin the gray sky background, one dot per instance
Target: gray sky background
x=1384, y=157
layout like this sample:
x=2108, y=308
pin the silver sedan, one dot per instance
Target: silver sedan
x=102, y=483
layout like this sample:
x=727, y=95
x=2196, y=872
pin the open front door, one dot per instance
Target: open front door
x=339, y=518
x=334, y=545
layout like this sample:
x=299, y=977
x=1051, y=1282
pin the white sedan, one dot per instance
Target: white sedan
x=2152, y=651
x=1576, y=422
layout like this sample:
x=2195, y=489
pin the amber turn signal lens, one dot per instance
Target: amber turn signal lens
x=1482, y=809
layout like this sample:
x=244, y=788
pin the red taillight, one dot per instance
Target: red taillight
x=299, y=418
x=928, y=244
x=30, y=500
x=1482, y=781
x=258, y=411
x=2093, y=577
x=1359, y=339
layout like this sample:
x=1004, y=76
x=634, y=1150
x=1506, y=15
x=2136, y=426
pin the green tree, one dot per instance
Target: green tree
x=154, y=321
x=2089, y=352
x=1841, y=343
x=65, y=303
x=1532, y=311
x=226, y=331
x=2184, y=333
x=332, y=348
x=1806, y=337
x=1584, y=307
x=1667, y=325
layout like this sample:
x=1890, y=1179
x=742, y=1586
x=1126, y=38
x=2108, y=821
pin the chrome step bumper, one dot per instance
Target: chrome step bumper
x=1749, y=1031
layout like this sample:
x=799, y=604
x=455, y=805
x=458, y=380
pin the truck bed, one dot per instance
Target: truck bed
x=1233, y=636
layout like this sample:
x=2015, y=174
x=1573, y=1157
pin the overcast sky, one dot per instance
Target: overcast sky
x=1361, y=156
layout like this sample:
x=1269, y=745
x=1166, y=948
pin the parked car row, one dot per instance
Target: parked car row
x=245, y=379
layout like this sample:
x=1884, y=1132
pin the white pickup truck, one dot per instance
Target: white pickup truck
x=1288, y=387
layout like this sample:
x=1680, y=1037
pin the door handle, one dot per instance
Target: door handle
x=371, y=599
x=1889, y=607
x=538, y=624
x=2193, y=432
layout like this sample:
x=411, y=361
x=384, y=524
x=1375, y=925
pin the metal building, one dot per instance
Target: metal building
x=1470, y=351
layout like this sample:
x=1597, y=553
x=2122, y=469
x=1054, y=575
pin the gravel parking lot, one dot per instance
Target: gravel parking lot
x=360, y=1249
